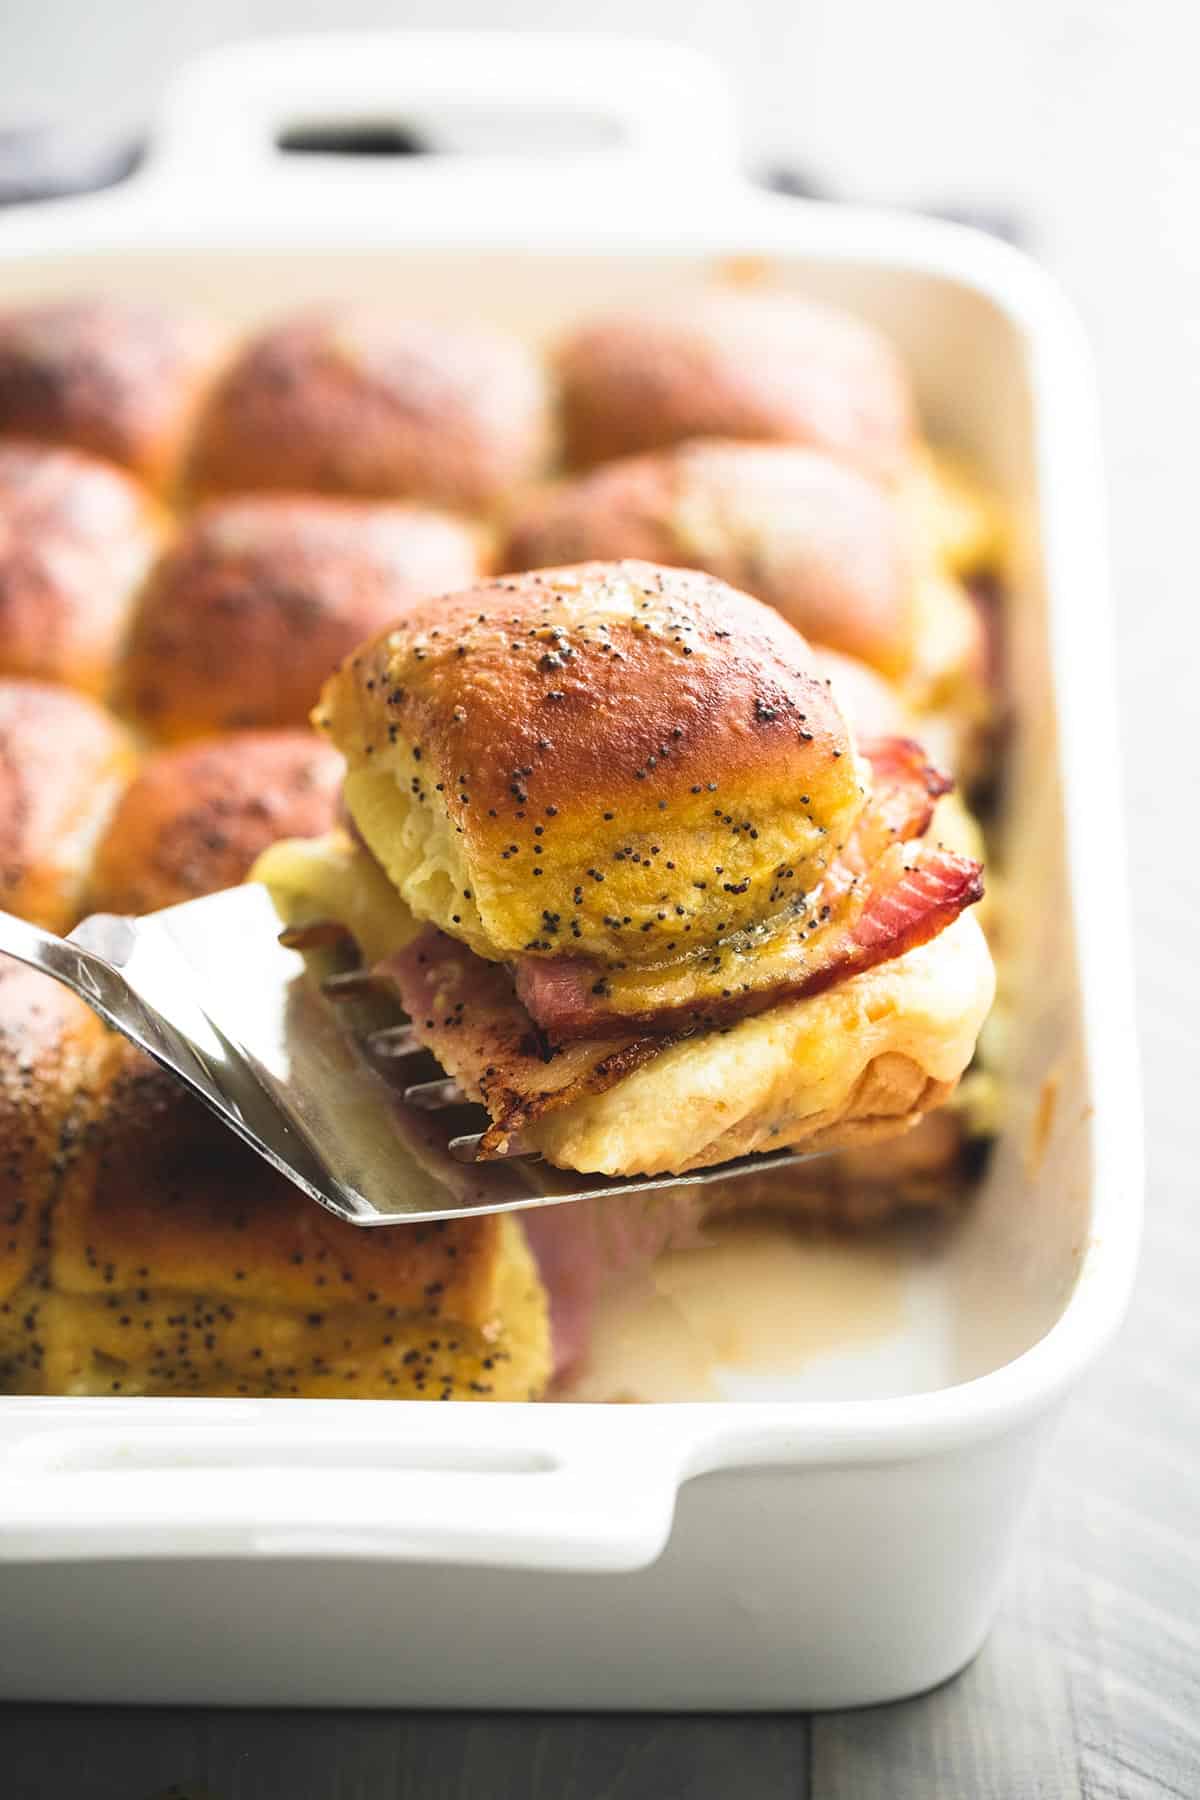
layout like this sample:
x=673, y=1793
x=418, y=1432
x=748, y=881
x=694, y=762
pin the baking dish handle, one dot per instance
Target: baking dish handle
x=475, y=1485
x=225, y=112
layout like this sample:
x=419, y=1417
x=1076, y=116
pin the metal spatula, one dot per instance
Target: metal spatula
x=332, y=1095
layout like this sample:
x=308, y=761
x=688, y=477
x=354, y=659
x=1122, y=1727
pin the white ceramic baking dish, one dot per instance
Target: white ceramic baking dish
x=833, y=1534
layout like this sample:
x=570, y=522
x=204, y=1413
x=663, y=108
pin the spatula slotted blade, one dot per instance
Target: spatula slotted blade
x=216, y=998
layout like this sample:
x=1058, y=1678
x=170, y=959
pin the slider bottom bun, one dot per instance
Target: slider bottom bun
x=929, y=1169
x=861, y=1062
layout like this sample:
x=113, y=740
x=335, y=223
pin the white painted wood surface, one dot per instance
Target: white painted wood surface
x=1083, y=117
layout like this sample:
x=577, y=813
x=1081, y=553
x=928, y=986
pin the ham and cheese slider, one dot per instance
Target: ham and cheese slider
x=665, y=910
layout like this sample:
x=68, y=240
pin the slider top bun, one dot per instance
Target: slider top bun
x=76, y=536
x=736, y=364
x=286, y=585
x=813, y=538
x=63, y=762
x=118, y=378
x=354, y=400
x=614, y=759
x=196, y=817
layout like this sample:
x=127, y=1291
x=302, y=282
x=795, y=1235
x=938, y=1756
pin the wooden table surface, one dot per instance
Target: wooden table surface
x=1081, y=117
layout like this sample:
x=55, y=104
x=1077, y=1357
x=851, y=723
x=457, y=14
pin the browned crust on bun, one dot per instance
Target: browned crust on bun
x=121, y=379
x=63, y=762
x=260, y=596
x=76, y=536
x=353, y=400
x=813, y=538
x=608, y=759
x=196, y=817
x=767, y=366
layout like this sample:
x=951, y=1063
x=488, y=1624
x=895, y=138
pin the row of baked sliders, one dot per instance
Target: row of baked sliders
x=658, y=880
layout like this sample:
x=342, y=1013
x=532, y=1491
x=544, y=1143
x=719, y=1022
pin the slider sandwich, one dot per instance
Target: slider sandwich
x=618, y=856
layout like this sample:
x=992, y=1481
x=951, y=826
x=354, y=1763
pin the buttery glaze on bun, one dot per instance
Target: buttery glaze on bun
x=614, y=759
x=196, y=817
x=260, y=596
x=63, y=762
x=813, y=538
x=114, y=377
x=350, y=400
x=76, y=537
x=729, y=364
x=674, y=915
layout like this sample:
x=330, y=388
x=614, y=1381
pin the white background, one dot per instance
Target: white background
x=1082, y=117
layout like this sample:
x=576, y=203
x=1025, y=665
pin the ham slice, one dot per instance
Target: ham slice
x=884, y=894
x=466, y=1011
x=905, y=788
x=579, y=1249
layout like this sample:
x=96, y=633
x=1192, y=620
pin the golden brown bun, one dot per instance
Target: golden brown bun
x=48, y=1041
x=599, y=759
x=76, y=537
x=181, y=1263
x=357, y=401
x=118, y=378
x=196, y=817
x=63, y=762
x=816, y=540
x=261, y=596
x=736, y=365
x=144, y=1249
